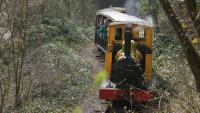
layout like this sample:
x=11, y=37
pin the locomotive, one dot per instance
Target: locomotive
x=127, y=47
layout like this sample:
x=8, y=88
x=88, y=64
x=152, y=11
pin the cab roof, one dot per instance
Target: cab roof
x=117, y=16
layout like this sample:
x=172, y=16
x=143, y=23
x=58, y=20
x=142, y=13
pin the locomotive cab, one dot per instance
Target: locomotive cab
x=141, y=46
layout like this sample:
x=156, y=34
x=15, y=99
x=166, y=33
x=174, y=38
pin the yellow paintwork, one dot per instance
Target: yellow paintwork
x=135, y=33
x=148, y=67
x=108, y=62
x=108, y=54
x=148, y=57
x=147, y=41
x=148, y=36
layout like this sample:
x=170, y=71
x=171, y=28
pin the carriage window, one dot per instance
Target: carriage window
x=118, y=34
x=141, y=33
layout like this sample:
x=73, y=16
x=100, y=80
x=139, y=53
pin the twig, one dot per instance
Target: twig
x=160, y=101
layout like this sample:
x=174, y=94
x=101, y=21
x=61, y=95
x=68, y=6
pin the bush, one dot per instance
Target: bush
x=64, y=28
x=59, y=77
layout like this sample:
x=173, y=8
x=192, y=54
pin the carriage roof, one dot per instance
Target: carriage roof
x=119, y=9
x=117, y=16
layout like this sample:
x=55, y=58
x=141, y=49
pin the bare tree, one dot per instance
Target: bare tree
x=22, y=48
x=17, y=11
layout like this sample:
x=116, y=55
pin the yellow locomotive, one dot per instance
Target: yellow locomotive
x=126, y=42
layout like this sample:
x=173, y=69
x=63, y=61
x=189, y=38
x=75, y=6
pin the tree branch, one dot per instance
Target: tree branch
x=191, y=8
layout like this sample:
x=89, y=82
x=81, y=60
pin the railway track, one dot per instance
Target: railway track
x=124, y=107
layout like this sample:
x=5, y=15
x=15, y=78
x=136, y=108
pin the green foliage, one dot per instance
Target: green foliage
x=81, y=11
x=57, y=76
x=198, y=6
x=143, y=7
x=101, y=77
x=64, y=29
x=77, y=110
x=165, y=49
x=60, y=78
x=54, y=9
x=61, y=19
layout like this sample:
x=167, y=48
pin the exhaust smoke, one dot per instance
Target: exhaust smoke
x=130, y=5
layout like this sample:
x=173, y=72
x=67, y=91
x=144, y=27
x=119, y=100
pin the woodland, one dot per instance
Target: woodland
x=47, y=54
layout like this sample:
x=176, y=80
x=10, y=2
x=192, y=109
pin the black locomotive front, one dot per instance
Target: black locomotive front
x=128, y=71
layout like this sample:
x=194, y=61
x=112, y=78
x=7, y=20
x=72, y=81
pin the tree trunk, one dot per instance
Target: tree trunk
x=191, y=54
x=191, y=7
x=19, y=48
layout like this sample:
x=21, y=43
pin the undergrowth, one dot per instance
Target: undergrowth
x=58, y=77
